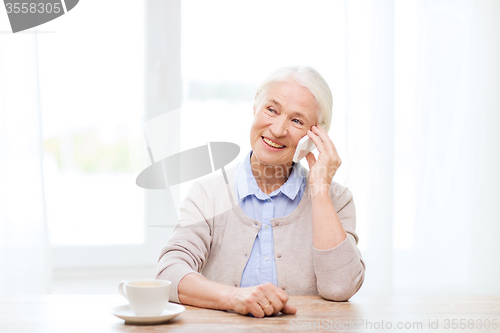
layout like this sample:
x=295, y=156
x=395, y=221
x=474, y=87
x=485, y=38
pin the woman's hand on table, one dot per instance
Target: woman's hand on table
x=322, y=170
x=262, y=300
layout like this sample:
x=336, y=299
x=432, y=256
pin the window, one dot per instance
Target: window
x=225, y=57
x=92, y=125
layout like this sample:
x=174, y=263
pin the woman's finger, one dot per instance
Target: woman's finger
x=280, y=293
x=325, y=138
x=289, y=309
x=311, y=159
x=256, y=310
x=260, y=296
x=317, y=141
x=328, y=142
x=275, y=302
x=267, y=308
x=274, y=296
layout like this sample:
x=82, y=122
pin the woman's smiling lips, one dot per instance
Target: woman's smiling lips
x=272, y=144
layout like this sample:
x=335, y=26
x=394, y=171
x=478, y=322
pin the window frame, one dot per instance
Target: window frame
x=163, y=92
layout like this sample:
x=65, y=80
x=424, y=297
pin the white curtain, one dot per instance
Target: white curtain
x=423, y=139
x=422, y=143
x=24, y=251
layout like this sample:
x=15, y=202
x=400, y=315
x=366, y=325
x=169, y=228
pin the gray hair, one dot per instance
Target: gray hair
x=308, y=78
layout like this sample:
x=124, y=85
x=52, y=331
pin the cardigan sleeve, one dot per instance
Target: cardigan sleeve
x=340, y=271
x=188, y=248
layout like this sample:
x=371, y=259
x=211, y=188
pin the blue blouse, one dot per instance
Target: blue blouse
x=261, y=266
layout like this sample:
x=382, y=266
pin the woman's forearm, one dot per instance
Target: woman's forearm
x=327, y=229
x=197, y=290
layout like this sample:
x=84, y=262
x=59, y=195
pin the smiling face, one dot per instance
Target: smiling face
x=281, y=118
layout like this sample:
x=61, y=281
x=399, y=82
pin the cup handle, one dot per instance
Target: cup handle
x=121, y=289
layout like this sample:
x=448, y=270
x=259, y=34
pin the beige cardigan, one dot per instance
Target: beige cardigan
x=214, y=238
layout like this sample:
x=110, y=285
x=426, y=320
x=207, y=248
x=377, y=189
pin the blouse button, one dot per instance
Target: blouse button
x=236, y=285
x=283, y=287
x=279, y=255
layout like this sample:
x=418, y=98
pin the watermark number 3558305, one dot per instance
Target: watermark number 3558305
x=31, y=13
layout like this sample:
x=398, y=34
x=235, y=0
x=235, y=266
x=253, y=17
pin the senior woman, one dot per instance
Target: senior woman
x=291, y=231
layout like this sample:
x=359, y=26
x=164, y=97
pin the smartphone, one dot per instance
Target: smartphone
x=305, y=146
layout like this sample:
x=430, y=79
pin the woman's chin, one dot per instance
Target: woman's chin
x=271, y=158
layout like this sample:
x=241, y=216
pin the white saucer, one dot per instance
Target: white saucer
x=124, y=312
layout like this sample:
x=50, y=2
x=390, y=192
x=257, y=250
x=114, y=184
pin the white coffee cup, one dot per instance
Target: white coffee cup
x=146, y=297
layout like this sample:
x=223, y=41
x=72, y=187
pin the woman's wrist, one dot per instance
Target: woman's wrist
x=195, y=289
x=319, y=190
x=228, y=299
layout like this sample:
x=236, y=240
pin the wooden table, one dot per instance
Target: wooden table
x=91, y=314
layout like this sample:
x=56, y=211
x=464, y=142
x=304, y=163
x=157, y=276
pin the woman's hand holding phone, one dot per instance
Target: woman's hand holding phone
x=304, y=146
x=322, y=170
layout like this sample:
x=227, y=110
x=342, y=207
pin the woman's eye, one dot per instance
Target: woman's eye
x=298, y=122
x=271, y=110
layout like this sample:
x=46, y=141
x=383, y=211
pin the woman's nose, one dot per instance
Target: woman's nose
x=279, y=128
